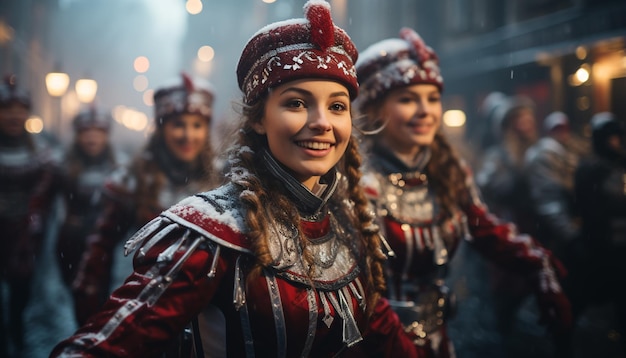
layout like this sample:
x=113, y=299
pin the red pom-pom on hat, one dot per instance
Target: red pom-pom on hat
x=422, y=51
x=322, y=27
x=187, y=82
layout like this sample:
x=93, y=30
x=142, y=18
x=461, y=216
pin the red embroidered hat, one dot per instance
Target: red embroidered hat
x=186, y=96
x=298, y=48
x=393, y=63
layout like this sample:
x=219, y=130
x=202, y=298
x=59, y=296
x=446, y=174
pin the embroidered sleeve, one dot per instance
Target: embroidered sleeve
x=176, y=273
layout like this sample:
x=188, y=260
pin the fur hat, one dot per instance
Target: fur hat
x=92, y=119
x=10, y=93
x=186, y=96
x=393, y=63
x=298, y=48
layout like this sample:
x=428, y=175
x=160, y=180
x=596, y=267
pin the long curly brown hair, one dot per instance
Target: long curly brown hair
x=444, y=170
x=248, y=171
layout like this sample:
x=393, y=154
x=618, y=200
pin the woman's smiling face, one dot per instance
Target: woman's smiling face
x=186, y=135
x=308, y=125
x=413, y=116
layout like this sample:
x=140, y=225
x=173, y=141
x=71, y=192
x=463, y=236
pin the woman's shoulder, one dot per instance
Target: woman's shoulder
x=216, y=214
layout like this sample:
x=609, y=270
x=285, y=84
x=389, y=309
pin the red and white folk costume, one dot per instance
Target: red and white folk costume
x=422, y=236
x=424, y=242
x=193, y=265
x=197, y=262
x=136, y=193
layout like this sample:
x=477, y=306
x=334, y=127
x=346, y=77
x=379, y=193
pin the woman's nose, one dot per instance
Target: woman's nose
x=318, y=120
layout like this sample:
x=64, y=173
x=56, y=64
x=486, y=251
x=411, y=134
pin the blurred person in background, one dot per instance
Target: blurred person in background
x=88, y=161
x=597, y=277
x=176, y=162
x=488, y=112
x=28, y=182
x=501, y=173
x=283, y=260
x=425, y=196
x=550, y=166
x=503, y=182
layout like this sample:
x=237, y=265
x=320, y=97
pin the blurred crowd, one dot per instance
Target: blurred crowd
x=566, y=190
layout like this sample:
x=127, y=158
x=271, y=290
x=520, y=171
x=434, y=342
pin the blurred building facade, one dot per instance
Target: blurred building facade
x=566, y=55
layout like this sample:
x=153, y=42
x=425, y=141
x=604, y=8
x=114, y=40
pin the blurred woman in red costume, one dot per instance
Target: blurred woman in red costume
x=177, y=162
x=284, y=260
x=425, y=197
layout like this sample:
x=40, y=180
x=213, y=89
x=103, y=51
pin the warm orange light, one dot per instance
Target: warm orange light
x=193, y=7
x=34, y=124
x=454, y=118
x=86, y=90
x=57, y=83
x=206, y=53
x=141, y=64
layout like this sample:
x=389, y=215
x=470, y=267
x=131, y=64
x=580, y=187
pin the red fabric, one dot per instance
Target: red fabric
x=522, y=254
x=322, y=27
x=151, y=325
x=500, y=242
x=262, y=67
x=386, y=337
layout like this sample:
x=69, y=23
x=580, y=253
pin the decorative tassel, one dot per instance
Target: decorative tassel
x=322, y=28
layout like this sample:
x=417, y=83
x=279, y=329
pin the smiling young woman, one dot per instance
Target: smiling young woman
x=283, y=260
x=425, y=196
x=176, y=162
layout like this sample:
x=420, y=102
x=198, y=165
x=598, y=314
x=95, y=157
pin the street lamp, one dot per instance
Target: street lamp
x=86, y=90
x=56, y=84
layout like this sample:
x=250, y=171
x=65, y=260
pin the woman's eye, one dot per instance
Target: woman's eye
x=295, y=103
x=338, y=107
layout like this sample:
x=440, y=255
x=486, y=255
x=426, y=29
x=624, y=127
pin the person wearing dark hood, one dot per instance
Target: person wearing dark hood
x=28, y=184
x=89, y=160
x=176, y=162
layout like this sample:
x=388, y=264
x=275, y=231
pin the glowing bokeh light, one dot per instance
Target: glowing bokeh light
x=34, y=124
x=141, y=64
x=193, y=7
x=86, y=90
x=57, y=83
x=206, y=53
x=582, y=75
x=454, y=118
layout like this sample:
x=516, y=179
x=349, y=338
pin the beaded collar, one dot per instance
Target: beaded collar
x=397, y=172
